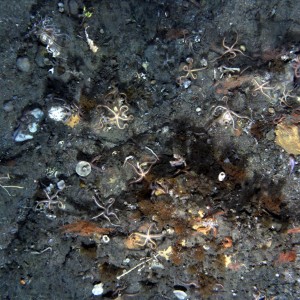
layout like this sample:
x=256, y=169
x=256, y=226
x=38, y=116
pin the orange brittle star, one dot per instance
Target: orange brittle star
x=141, y=239
x=231, y=50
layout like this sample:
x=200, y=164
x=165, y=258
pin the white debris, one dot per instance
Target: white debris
x=90, y=42
x=221, y=176
x=105, y=239
x=98, y=289
x=21, y=137
x=59, y=113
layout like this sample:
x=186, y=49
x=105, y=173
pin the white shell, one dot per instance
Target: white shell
x=181, y=295
x=105, y=239
x=37, y=113
x=221, y=176
x=83, y=168
x=98, y=289
x=21, y=137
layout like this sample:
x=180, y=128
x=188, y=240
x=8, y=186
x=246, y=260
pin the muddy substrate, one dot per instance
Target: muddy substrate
x=172, y=106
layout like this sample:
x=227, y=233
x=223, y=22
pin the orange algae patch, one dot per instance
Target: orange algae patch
x=85, y=228
x=293, y=230
x=286, y=257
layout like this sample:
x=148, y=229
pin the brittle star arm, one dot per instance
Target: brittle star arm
x=121, y=115
x=100, y=206
x=110, y=202
x=9, y=186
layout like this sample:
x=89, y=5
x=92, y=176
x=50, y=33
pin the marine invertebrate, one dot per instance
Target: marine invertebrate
x=190, y=72
x=48, y=34
x=69, y=115
x=118, y=109
x=261, y=87
x=287, y=137
x=227, y=115
x=106, y=213
x=231, y=50
x=138, y=240
x=119, y=116
x=205, y=224
x=51, y=200
x=141, y=169
x=227, y=242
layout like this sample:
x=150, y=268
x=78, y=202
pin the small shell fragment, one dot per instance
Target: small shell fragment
x=105, y=239
x=181, y=295
x=83, y=168
x=221, y=176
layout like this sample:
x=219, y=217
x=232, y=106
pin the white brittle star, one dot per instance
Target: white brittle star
x=140, y=168
x=106, y=213
x=119, y=117
x=51, y=200
x=261, y=88
x=141, y=239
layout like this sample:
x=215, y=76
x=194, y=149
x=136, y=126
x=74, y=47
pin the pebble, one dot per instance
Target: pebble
x=23, y=64
x=8, y=106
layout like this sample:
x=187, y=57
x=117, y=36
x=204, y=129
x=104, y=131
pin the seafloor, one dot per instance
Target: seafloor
x=149, y=149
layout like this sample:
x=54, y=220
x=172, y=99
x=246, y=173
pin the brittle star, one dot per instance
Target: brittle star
x=231, y=50
x=283, y=99
x=51, y=200
x=139, y=168
x=119, y=115
x=190, y=72
x=148, y=238
x=261, y=88
x=227, y=115
x=106, y=213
